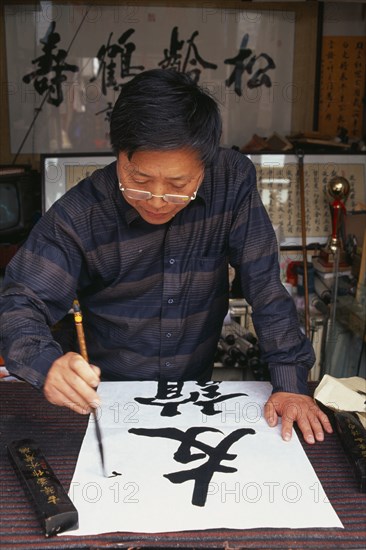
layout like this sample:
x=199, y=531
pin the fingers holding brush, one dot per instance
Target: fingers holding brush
x=71, y=383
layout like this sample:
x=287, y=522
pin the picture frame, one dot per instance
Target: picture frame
x=278, y=185
x=60, y=172
x=106, y=48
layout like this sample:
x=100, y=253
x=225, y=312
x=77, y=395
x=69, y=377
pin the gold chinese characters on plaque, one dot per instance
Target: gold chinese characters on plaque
x=342, y=85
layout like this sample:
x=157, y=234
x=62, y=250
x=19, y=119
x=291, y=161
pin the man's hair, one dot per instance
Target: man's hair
x=162, y=109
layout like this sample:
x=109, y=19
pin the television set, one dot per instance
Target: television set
x=20, y=202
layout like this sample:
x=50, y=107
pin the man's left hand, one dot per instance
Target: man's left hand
x=293, y=407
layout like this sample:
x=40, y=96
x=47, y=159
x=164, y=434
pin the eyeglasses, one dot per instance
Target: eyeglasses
x=137, y=195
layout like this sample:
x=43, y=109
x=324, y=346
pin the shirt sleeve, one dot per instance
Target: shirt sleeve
x=254, y=252
x=39, y=287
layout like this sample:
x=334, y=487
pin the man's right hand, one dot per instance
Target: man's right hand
x=70, y=382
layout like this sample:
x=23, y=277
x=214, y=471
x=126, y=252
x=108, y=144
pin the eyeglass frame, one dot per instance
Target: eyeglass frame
x=148, y=195
x=151, y=195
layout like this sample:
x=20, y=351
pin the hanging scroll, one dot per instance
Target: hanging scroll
x=342, y=86
x=66, y=65
x=278, y=184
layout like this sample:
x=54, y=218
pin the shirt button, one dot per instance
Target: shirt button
x=167, y=363
x=168, y=334
x=170, y=301
x=172, y=261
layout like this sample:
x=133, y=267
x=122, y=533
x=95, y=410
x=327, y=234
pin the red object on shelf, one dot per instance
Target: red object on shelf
x=291, y=273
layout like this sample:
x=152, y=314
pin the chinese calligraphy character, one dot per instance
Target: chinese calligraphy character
x=210, y=390
x=168, y=392
x=51, y=62
x=38, y=469
x=259, y=78
x=108, y=55
x=201, y=475
x=173, y=59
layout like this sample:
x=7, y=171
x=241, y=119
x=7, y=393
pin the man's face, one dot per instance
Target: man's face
x=178, y=172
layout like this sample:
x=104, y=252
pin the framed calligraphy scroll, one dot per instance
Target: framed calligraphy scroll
x=342, y=85
x=278, y=184
x=67, y=64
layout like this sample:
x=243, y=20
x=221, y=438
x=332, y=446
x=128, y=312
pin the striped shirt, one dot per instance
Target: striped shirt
x=153, y=296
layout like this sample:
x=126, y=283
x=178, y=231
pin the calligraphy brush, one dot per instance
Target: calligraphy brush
x=78, y=318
